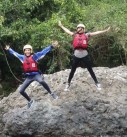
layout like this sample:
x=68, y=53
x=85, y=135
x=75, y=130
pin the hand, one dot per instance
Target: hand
x=7, y=47
x=108, y=28
x=55, y=44
x=60, y=24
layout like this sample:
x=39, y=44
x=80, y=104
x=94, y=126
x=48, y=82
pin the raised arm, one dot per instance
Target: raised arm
x=11, y=51
x=99, y=32
x=65, y=29
x=39, y=55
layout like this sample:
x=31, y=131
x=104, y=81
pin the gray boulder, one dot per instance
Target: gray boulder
x=84, y=111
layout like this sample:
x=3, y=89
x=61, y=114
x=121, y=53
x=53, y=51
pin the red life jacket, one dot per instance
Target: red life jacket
x=80, y=41
x=30, y=65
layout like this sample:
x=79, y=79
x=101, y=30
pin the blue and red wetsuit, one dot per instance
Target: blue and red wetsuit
x=35, y=75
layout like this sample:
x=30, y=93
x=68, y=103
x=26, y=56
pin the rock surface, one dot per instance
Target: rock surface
x=83, y=111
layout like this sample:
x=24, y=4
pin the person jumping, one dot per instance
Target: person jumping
x=80, y=44
x=29, y=62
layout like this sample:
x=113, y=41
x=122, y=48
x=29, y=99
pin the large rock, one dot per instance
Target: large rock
x=84, y=111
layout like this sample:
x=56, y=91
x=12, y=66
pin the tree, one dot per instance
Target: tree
x=35, y=22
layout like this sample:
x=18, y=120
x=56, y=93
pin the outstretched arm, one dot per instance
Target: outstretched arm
x=65, y=29
x=37, y=56
x=99, y=32
x=11, y=51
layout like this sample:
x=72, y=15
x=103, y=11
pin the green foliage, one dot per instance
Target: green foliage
x=36, y=22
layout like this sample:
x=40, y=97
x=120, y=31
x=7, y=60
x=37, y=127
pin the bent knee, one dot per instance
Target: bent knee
x=21, y=91
x=41, y=82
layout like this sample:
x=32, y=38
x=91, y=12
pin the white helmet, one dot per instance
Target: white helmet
x=81, y=25
x=28, y=47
